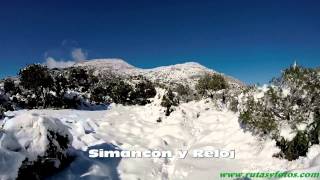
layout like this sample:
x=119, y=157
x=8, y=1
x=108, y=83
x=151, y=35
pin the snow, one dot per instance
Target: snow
x=287, y=133
x=285, y=92
x=260, y=92
x=25, y=136
x=10, y=160
x=193, y=125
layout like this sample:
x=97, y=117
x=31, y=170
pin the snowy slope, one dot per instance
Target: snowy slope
x=116, y=66
x=186, y=73
x=194, y=125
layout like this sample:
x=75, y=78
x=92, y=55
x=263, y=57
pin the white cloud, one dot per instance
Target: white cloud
x=52, y=63
x=78, y=54
x=65, y=56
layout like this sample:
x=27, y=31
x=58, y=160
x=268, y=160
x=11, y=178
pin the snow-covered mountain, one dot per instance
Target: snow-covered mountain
x=186, y=73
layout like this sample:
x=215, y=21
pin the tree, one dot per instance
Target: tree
x=38, y=80
x=35, y=77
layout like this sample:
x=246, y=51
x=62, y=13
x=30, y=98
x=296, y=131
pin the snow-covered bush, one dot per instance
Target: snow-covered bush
x=120, y=91
x=298, y=146
x=37, y=83
x=169, y=99
x=36, y=145
x=210, y=83
x=258, y=119
x=35, y=77
x=143, y=90
x=9, y=86
x=99, y=95
x=291, y=103
x=185, y=93
x=80, y=79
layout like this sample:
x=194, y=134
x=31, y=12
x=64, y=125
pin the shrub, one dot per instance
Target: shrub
x=233, y=105
x=121, y=92
x=78, y=79
x=258, y=119
x=9, y=86
x=38, y=80
x=145, y=89
x=35, y=77
x=314, y=129
x=298, y=146
x=168, y=100
x=99, y=94
x=210, y=83
x=142, y=92
x=60, y=85
x=299, y=105
x=5, y=105
x=185, y=93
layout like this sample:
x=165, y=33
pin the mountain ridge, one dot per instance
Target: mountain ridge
x=188, y=72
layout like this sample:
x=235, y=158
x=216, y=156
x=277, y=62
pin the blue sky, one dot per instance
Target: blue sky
x=250, y=40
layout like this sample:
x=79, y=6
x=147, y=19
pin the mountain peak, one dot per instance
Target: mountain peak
x=104, y=62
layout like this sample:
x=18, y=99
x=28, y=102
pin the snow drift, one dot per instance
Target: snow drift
x=28, y=138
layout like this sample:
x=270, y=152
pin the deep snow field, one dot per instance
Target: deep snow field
x=193, y=125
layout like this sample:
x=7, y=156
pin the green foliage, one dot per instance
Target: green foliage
x=35, y=77
x=298, y=105
x=80, y=79
x=37, y=80
x=233, y=105
x=314, y=127
x=168, y=100
x=99, y=94
x=142, y=92
x=120, y=92
x=298, y=146
x=9, y=86
x=60, y=85
x=211, y=82
x=5, y=104
x=258, y=119
x=185, y=93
